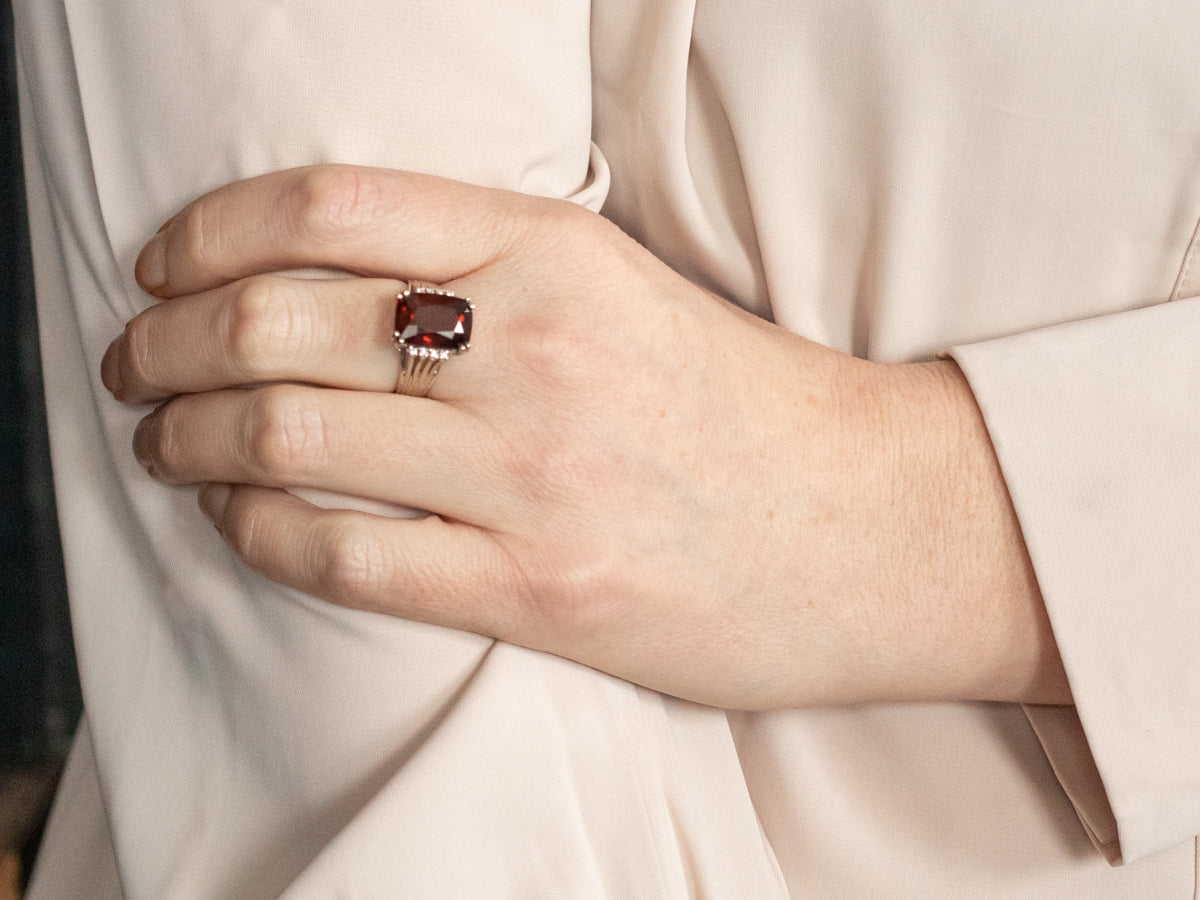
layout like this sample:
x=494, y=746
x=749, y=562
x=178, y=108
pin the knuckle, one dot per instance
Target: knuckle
x=572, y=595
x=266, y=327
x=353, y=564
x=553, y=222
x=517, y=227
x=332, y=201
x=286, y=433
x=553, y=351
x=552, y=468
x=565, y=232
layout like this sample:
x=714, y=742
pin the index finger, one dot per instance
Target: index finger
x=375, y=222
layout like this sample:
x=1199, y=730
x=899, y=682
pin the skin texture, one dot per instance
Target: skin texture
x=624, y=470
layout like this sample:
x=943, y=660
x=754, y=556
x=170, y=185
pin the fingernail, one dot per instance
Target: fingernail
x=214, y=497
x=143, y=439
x=110, y=368
x=151, y=267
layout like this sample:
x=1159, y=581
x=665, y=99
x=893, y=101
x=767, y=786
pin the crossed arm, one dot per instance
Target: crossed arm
x=624, y=470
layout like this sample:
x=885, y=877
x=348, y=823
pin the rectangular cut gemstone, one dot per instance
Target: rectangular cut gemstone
x=433, y=321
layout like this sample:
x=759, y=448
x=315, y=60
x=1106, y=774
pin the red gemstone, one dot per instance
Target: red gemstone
x=434, y=321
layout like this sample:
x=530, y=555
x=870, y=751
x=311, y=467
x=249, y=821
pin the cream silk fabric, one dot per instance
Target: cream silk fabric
x=1017, y=183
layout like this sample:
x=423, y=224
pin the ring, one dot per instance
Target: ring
x=432, y=325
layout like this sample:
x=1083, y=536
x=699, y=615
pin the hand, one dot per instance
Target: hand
x=624, y=470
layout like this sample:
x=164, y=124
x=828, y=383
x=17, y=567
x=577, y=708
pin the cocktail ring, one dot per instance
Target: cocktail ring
x=432, y=324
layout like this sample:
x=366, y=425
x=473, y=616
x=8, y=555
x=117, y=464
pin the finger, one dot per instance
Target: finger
x=336, y=333
x=267, y=328
x=444, y=573
x=367, y=221
x=401, y=450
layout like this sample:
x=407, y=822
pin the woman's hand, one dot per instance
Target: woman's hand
x=624, y=470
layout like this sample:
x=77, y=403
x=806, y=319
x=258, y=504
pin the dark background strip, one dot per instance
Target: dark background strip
x=39, y=693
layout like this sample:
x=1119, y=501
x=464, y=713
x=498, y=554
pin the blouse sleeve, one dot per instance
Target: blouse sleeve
x=1096, y=424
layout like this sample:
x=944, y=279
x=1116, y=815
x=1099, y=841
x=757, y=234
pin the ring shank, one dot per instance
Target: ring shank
x=416, y=374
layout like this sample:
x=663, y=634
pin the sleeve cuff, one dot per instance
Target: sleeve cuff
x=1097, y=428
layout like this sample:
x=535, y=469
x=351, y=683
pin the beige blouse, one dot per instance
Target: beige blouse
x=1015, y=183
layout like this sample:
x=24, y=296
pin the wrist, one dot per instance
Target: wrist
x=958, y=594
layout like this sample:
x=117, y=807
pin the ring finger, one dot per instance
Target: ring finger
x=331, y=332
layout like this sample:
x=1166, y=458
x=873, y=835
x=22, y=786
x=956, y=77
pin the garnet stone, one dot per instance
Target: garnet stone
x=426, y=319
